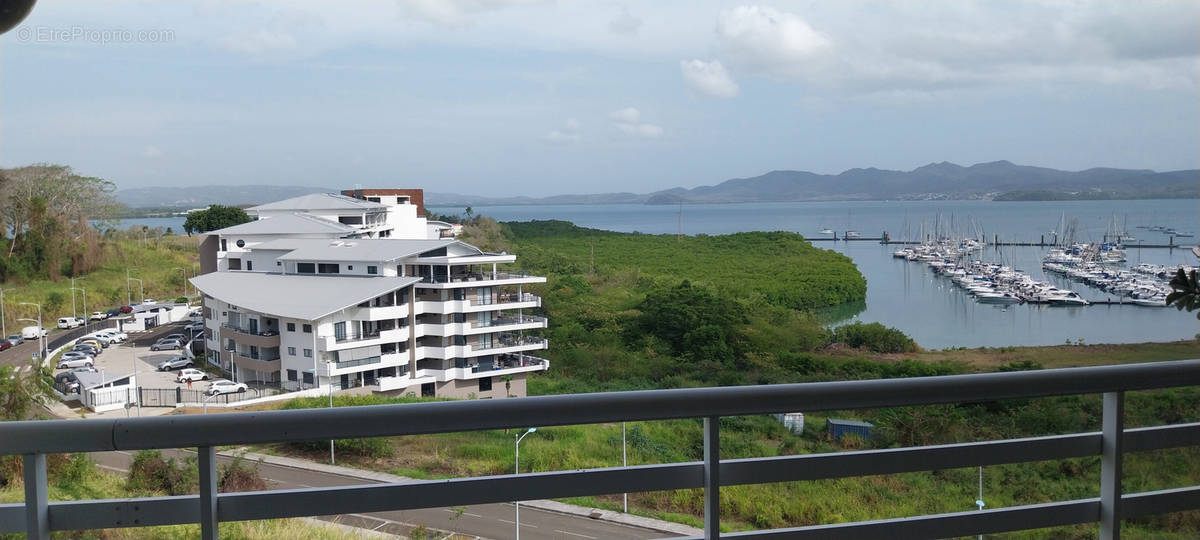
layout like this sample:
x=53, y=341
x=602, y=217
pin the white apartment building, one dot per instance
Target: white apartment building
x=334, y=304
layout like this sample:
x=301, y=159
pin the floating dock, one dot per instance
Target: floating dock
x=887, y=241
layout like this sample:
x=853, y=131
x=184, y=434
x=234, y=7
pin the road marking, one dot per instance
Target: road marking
x=514, y=523
x=456, y=512
x=575, y=534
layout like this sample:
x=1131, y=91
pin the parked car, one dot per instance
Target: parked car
x=94, y=340
x=168, y=337
x=195, y=327
x=16, y=339
x=191, y=374
x=125, y=309
x=175, y=362
x=113, y=312
x=98, y=315
x=5, y=345
x=167, y=345
x=84, y=369
x=225, y=386
x=89, y=348
x=149, y=301
x=33, y=332
x=69, y=360
x=68, y=381
x=114, y=334
x=70, y=322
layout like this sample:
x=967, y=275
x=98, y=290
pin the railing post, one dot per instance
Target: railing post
x=712, y=478
x=1112, y=447
x=208, y=492
x=37, y=510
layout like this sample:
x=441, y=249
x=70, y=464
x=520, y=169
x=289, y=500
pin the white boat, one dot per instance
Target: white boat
x=826, y=230
x=1153, y=301
x=997, y=298
x=853, y=234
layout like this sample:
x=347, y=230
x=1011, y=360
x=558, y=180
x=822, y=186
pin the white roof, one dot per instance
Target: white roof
x=362, y=249
x=319, y=201
x=287, y=224
x=296, y=296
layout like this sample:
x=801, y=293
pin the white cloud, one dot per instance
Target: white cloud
x=762, y=37
x=625, y=24
x=457, y=12
x=709, y=78
x=628, y=115
x=258, y=42
x=568, y=134
x=629, y=121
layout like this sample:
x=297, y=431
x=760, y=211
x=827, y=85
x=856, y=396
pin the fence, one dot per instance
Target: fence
x=35, y=439
x=60, y=339
x=170, y=397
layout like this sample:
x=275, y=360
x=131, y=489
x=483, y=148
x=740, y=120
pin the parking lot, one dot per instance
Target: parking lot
x=134, y=356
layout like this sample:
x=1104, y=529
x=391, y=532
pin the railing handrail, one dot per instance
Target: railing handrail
x=97, y=435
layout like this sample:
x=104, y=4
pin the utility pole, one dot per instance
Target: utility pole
x=3, y=315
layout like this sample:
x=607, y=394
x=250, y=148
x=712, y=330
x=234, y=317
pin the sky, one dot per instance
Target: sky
x=531, y=97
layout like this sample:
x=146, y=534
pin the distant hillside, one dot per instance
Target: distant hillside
x=999, y=180
x=202, y=196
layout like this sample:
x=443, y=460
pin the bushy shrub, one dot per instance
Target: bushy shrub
x=238, y=476
x=874, y=336
x=151, y=473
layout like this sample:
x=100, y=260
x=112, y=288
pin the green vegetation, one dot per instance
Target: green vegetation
x=22, y=390
x=1185, y=292
x=158, y=260
x=46, y=208
x=215, y=217
x=75, y=477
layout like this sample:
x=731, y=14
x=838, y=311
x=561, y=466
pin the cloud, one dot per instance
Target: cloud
x=258, y=42
x=764, y=38
x=629, y=121
x=708, y=78
x=152, y=152
x=457, y=12
x=568, y=134
x=625, y=24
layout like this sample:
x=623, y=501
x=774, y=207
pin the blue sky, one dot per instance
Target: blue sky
x=529, y=97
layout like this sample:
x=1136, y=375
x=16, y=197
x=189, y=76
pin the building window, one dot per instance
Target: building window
x=339, y=330
x=485, y=384
x=349, y=267
x=372, y=269
x=328, y=268
x=291, y=352
x=249, y=265
x=291, y=374
x=235, y=264
x=306, y=268
x=308, y=329
x=291, y=327
x=240, y=243
x=308, y=377
x=224, y=246
x=308, y=353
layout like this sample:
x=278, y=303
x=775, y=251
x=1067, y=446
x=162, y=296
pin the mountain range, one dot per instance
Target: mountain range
x=999, y=180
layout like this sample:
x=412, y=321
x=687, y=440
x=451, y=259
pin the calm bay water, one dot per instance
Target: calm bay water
x=906, y=295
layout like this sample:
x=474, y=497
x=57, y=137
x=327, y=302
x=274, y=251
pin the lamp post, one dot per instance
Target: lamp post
x=624, y=463
x=41, y=329
x=3, y=316
x=517, y=461
x=83, y=291
x=141, y=291
x=329, y=369
x=184, y=272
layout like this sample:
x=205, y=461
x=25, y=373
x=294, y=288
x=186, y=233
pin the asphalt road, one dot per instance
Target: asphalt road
x=493, y=521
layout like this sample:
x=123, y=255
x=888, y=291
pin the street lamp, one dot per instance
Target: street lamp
x=3, y=316
x=83, y=291
x=329, y=370
x=41, y=330
x=517, y=460
x=184, y=272
x=141, y=292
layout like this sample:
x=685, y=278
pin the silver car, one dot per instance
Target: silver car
x=167, y=345
x=74, y=360
x=175, y=362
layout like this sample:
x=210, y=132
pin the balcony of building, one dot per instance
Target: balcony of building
x=255, y=359
x=474, y=277
x=1107, y=506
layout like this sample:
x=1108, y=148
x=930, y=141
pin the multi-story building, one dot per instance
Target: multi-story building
x=333, y=303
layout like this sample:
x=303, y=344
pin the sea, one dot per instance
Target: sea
x=906, y=295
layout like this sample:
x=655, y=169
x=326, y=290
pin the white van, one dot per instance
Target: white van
x=32, y=332
x=69, y=322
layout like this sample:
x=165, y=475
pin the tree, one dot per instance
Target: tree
x=1185, y=292
x=22, y=390
x=213, y=218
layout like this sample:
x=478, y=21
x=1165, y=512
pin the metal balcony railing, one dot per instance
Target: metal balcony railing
x=35, y=439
